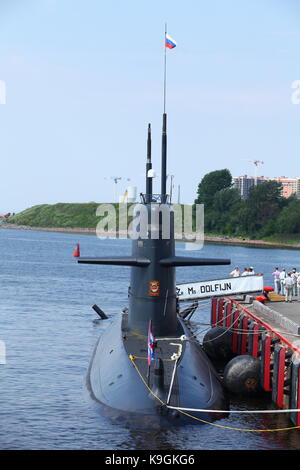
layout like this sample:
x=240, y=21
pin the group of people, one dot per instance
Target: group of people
x=287, y=283
x=247, y=272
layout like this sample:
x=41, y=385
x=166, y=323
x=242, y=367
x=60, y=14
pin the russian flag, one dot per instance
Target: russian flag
x=150, y=344
x=170, y=43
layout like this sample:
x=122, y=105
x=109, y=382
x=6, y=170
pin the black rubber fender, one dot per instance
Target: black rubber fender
x=217, y=343
x=242, y=375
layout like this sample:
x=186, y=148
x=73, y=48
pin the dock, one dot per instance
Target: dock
x=282, y=315
x=268, y=330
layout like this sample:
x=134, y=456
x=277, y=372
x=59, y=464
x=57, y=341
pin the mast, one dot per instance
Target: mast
x=165, y=69
x=164, y=131
x=148, y=168
x=164, y=160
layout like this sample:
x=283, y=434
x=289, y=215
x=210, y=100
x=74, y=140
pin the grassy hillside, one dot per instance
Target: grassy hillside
x=65, y=215
x=58, y=215
x=83, y=215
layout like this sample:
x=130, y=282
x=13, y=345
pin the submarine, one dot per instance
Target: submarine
x=147, y=366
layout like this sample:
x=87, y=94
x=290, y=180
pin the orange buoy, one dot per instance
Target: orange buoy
x=77, y=251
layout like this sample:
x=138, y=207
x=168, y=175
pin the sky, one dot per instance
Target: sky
x=84, y=78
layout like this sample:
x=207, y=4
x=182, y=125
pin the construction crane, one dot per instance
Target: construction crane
x=116, y=179
x=255, y=163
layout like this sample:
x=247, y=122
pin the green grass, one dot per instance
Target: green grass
x=290, y=239
x=65, y=215
x=62, y=215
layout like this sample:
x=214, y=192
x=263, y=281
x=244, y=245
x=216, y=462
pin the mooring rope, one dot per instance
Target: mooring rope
x=235, y=411
x=221, y=334
x=184, y=412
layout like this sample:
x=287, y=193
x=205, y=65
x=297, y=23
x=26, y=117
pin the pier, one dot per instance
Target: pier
x=269, y=331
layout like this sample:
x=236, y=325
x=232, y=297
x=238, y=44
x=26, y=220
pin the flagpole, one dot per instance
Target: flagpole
x=164, y=132
x=149, y=352
x=165, y=70
x=148, y=376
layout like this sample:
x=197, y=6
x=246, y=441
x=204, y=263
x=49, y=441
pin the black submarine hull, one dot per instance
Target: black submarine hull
x=147, y=366
x=120, y=388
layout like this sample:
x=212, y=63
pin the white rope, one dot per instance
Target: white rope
x=223, y=332
x=233, y=411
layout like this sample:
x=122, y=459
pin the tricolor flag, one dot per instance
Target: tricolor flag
x=170, y=43
x=150, y=344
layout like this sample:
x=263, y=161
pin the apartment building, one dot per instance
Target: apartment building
x=289, y=185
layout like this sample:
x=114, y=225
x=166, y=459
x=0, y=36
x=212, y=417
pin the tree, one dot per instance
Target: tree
x=225, y=199
x=262, y=206
x=288, y=220
x=264, y=213
x=223, y=207
x=210, y=184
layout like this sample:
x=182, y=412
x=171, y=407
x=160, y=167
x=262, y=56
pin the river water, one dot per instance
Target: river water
x=50, y=330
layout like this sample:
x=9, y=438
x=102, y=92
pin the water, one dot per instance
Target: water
x=50, y=331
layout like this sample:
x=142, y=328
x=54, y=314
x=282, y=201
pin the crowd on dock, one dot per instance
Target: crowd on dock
x=286, y=283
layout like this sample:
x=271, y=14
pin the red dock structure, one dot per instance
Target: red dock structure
x=269, y=331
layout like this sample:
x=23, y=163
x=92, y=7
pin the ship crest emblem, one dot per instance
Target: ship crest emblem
x=154, y=288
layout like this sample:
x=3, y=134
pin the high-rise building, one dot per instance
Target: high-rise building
x=289, y=185
x=244, y=183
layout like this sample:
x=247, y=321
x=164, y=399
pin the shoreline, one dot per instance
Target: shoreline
x=224, y=240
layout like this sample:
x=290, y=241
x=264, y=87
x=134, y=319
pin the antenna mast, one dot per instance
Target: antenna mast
x=170, y=44
x=164, y=132
x=148, y=168
x=165, y=69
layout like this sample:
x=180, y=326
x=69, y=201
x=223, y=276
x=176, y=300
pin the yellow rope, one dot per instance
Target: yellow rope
x=145, y=358
x=132, y=358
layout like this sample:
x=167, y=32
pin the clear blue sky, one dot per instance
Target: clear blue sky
x=84, y=78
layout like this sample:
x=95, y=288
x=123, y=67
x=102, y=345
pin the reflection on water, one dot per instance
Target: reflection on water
x=50, y=330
